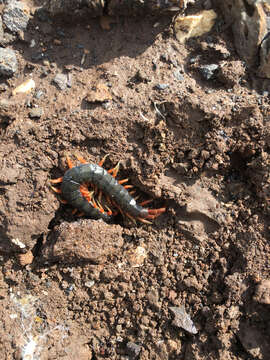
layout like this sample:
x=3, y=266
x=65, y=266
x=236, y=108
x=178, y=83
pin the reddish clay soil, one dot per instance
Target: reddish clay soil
x=199, y=147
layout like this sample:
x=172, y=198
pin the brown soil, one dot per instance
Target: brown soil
x=201, y=147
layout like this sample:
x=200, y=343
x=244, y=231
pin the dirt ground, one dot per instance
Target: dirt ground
x=199, y=147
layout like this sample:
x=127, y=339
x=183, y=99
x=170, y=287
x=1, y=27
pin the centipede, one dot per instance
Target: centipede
x=95, y=192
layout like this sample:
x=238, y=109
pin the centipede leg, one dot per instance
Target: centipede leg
x=103, y=160
x=57, y=181
x=81, y=159
x=144, y=221
x=69, y=162
x=153, y=213
x=58, y=191
x=122, y=181
x=114, y=170
x=128, y=186
x=63, y=201
x=145, y=202
x=109, y=211
x=131, y=218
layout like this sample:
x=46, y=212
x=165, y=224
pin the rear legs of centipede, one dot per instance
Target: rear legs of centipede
x=103, y=202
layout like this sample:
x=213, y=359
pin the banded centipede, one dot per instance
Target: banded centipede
x=77, y=181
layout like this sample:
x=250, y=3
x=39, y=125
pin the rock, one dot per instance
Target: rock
x=133, y=350
x=26, y=259
x=8, y=110
x=84, y=240
x=153, y=298
x=26, y=87
x=16, y=16
x=137, y=256
x=162, y=86
x=10, y=175
x=192, y=282
x=264, y=68
x=178, y=75
x=182, y=319
x=8, y=62
x=208, y=71
x=186, y=27
x=36, y=113
x=202, y=215
x=61, y=80
x=262, y=294
x=1, y=29
x=98, y=93
x=255, y=342
x=249, y=26
x=96, y=8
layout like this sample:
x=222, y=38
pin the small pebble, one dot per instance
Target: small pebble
x=16, y=16
x=8, y=62
x=36, y=113
x=61, y=81
x=89, y=283
x=133, y=350
x=39, y=94
x=162, y=86
x=208, y=71
x=178, y=75
x=182, y=319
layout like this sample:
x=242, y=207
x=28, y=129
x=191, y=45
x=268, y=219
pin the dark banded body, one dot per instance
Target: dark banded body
x=96, y=175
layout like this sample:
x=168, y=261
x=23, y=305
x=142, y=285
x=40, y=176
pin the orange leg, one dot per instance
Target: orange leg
x=58, y=191
x=144, y=221
x=153, y=213
x=57, y=181
x=109, y=211
x=145, y=202
x=114, y=170
x=131, y=218
x=69, y=162
x=81, y=159
x=122, y=181
x=103, y=160
x=128, y=186
x=100, y=207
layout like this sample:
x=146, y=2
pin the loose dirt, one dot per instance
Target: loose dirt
x=199, y=147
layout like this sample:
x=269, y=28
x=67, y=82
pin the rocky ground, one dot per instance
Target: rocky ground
x=189, y=123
